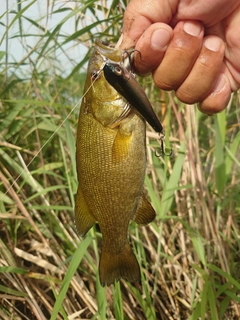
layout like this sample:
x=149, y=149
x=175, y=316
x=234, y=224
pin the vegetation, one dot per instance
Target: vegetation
x=190, y=255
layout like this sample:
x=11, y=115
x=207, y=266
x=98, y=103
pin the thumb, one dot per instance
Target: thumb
x=140, y=14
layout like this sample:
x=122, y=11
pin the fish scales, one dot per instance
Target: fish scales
x=111, y=162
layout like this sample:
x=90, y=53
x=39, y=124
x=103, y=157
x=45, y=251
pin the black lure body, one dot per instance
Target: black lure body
x=124, y=82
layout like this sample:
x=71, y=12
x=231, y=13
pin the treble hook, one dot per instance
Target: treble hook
x=161, y=138
x=130, y=58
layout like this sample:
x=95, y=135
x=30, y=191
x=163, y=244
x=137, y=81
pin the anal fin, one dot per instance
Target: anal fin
x=145, y=212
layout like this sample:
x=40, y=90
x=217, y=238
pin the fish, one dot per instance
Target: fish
x=111, y=165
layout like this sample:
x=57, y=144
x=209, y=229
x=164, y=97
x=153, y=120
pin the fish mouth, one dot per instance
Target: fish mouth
x=107, y=51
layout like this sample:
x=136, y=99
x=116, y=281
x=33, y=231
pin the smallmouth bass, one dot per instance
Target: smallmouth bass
x=111, y=163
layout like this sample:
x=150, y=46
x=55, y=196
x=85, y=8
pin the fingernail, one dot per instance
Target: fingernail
x=192, y=28
x=219, y=85
x=160, y=39
x=213, y=44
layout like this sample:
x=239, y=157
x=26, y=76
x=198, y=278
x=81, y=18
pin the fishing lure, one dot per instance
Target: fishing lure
x=125, y=83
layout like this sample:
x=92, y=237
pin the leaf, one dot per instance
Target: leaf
x=76, y=259
x=16, y=18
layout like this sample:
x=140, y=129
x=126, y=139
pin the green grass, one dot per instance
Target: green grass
x=189, y=256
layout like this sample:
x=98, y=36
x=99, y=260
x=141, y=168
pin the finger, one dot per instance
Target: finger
x=208, y=12
x=232, y=52
x=151, y=47
x=219, y=97
x=180, y=55
x=204, y=73
x=140, y=14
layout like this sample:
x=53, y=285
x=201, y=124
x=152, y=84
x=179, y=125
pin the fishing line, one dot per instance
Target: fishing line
x=50, y=138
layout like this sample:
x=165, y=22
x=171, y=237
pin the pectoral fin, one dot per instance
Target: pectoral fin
x=83, y=217
x=145, y=212
x=120, y=147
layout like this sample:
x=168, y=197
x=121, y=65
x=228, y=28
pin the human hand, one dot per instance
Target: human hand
x=190, y=47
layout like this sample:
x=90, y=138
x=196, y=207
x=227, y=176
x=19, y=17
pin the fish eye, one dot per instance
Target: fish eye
x=94, y=75
x=118, y=71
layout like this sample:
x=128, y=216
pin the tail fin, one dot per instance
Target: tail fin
x=121, y=265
